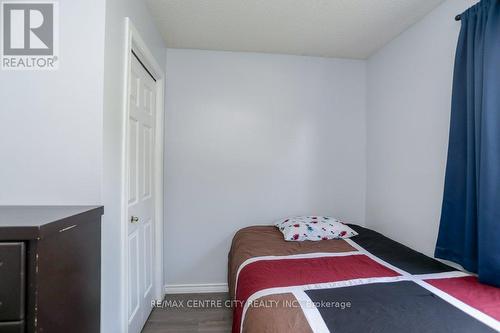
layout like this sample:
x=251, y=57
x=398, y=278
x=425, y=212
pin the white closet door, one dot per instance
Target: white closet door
x=141, y=231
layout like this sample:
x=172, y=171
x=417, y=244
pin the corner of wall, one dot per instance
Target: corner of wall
x=409, y=94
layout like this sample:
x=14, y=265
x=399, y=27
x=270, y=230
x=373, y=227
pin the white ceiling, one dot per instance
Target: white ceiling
x=330, y=28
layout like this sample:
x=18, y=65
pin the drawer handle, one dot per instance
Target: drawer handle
x=67, y=228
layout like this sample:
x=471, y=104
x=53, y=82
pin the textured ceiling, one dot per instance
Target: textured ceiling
x=330, y=28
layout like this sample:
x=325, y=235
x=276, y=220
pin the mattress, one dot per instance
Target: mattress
x=368, y=283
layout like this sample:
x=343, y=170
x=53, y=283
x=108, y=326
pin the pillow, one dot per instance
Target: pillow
x=313, y=228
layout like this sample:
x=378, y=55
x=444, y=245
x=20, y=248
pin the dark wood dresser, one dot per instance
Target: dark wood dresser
x=50, y=269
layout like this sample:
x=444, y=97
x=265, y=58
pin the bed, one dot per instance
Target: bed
x=368, y=283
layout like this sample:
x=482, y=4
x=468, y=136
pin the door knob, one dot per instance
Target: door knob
x=134, y=219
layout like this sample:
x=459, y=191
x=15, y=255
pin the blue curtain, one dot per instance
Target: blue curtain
x=469, y=233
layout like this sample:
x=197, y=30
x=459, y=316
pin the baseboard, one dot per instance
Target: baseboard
x=195, y=288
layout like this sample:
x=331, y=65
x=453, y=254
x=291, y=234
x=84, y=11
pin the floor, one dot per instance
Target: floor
x=186, y=313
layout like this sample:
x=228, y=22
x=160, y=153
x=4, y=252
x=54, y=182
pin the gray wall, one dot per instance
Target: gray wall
x=251, y=138
x=51, y=121
x=409, y=98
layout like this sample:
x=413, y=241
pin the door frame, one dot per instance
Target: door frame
x=134, y=41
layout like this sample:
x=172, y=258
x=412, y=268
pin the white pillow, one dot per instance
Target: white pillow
x=313, y=228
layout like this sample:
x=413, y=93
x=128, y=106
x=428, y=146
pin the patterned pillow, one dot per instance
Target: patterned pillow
x=313, y=228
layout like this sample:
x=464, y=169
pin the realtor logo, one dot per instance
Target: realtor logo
x=29, y=35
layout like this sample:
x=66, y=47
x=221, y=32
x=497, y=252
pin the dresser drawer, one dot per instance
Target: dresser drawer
x=12, y=275
x=12, y=327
